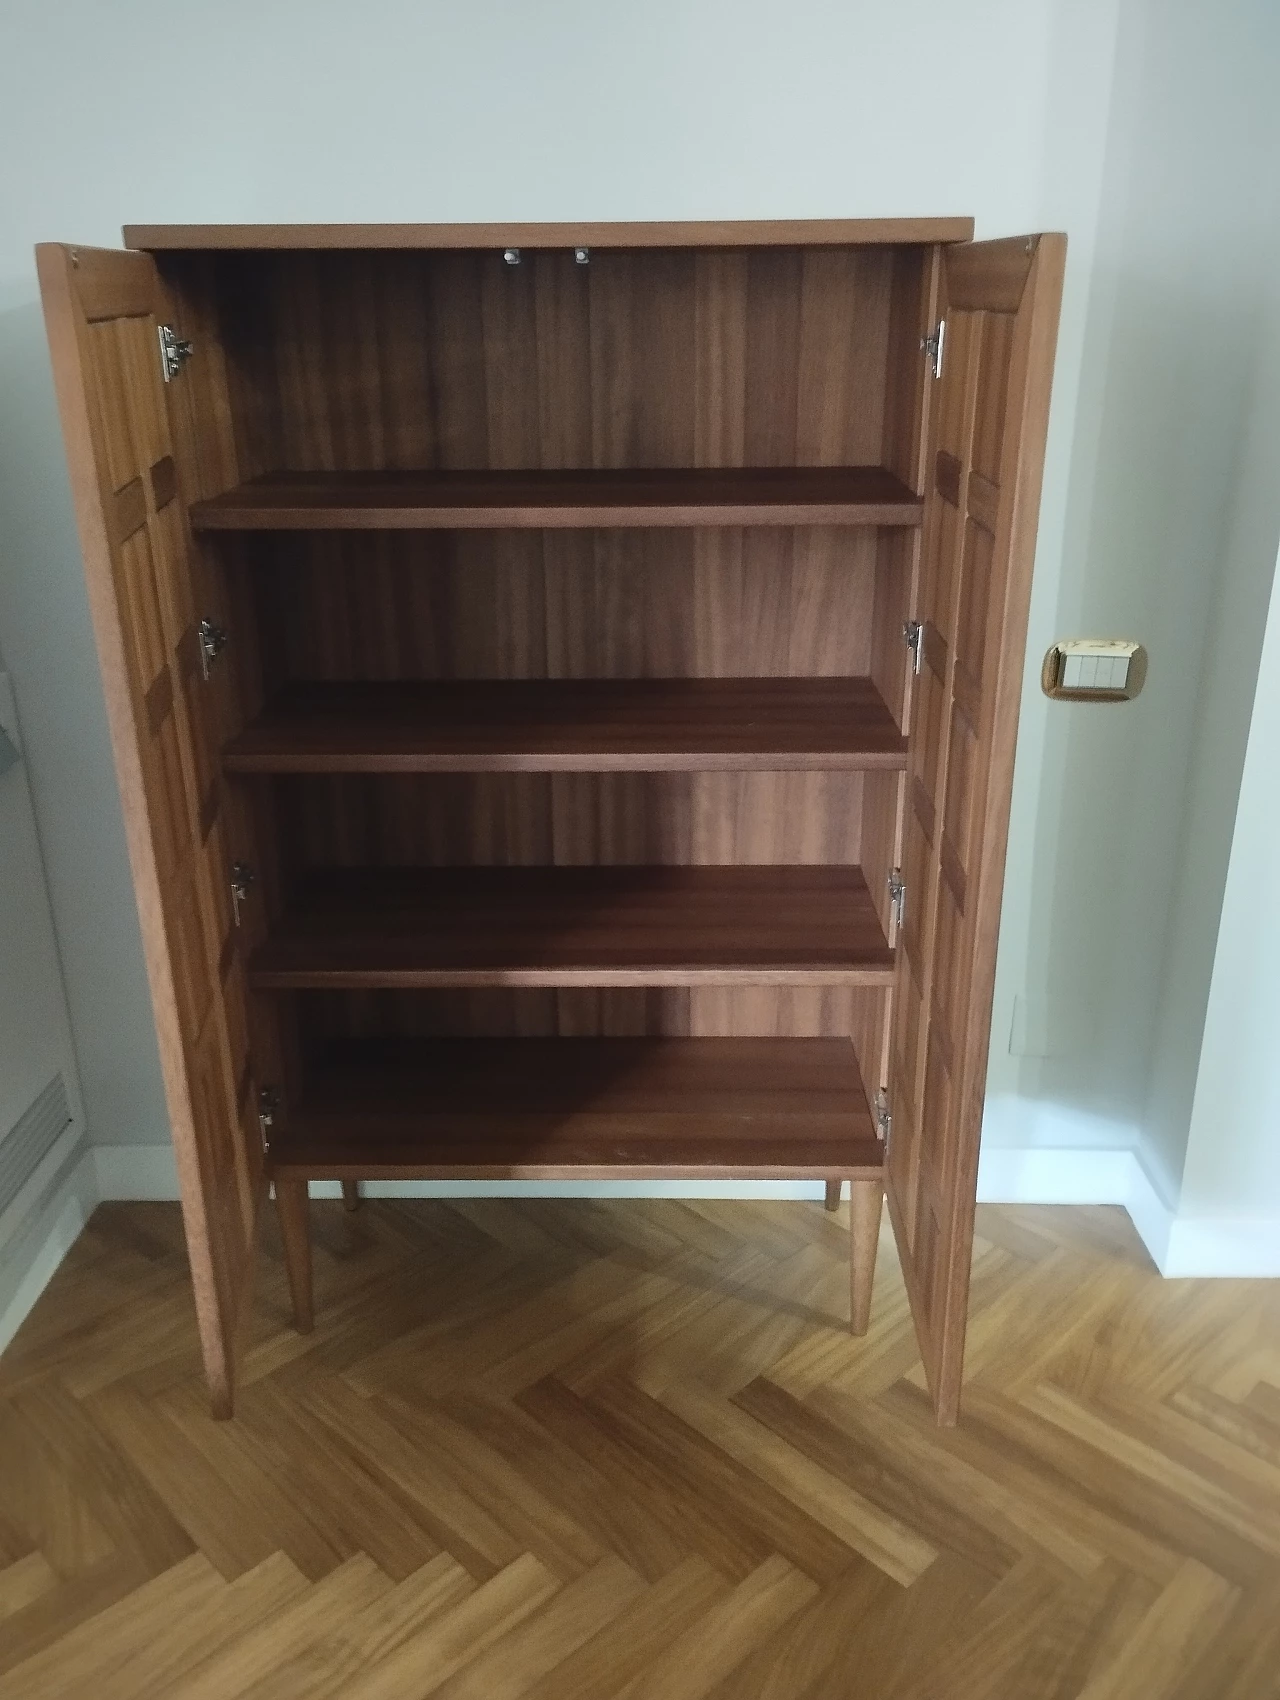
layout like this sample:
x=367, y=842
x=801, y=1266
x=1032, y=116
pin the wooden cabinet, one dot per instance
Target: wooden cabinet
x=564, y=683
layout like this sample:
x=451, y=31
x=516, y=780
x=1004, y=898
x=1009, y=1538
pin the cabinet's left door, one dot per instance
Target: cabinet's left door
x=103, y=310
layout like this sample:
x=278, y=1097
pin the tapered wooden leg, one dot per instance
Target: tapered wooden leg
x=295, y=1230
x=833, y=1195
x=866, y=1199
x=351, y=1195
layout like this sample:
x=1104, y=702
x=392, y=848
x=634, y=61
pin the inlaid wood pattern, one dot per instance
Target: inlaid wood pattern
x=1000, y=303
x=575, y=1450
x=143, y=581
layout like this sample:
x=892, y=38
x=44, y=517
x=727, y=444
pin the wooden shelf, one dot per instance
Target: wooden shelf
x=605, y=1109
x=415, y=501
x=577, y=926
x=567, y=725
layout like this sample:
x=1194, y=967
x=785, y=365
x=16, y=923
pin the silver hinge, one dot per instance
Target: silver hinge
x=511, y=256
x=242, y=877
x=913, y=637
x=213, y=640
x=897, y=894
x=934, y=346
x=884, y=1118
x=175, y=351
x=268, y=1104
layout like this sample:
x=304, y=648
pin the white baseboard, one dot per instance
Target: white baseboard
x=1246, y=1247
x=1079, y=1176
x=1179, y=1246
x=1054, y=1176
x=149, y=1172
x=48, y=1241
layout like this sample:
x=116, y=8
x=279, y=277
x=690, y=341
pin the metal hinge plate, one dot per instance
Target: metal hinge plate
x=268, y=1104
x=897, y=895
x=913, y=637
x=213, y=640
x=242, y=877
x=884, y=1118
x=934, y=347
x=175, y=351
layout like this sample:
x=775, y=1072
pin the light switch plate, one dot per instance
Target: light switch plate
x=1094, y=670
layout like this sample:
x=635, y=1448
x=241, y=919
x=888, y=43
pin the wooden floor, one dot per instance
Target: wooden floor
x=576, y=1450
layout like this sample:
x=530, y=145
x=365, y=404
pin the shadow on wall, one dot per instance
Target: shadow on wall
x=1135, y=803
x=48, y=641
x=1148, y=567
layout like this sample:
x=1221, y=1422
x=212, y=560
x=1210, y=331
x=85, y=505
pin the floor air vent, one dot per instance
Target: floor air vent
x=31, y=1138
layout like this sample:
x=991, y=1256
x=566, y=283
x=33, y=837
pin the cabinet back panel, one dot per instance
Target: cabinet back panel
x=768, y=357
x=728, y=1012
x=566, y=604
x=347, y=361
x=514, y=819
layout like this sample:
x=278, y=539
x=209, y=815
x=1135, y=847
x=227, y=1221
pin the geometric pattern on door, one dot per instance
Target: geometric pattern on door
x=999, y=303
x=102, y=309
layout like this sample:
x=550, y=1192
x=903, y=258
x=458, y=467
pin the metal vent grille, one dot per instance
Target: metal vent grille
x=31, y=1138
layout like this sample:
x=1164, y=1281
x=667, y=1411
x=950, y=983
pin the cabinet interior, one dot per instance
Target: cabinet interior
x=434, y=723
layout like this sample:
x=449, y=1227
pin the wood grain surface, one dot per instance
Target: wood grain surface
x=717, y=233
x=486, y=501
x=579, y=1449
x=988, y=438
x=342, y=362
x=600, y=1109
x=101, y=310
x=564, y=926
x=566, y=725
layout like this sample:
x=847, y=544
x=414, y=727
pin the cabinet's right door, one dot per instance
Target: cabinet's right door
x=999, y=304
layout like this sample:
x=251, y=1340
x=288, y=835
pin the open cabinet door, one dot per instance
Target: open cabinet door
x=102, y=310
x=998, y=303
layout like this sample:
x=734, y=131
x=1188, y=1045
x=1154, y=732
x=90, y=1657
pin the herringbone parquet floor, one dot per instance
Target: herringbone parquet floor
x=569, y=1450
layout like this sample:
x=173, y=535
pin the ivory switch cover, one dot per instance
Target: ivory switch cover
x=1104, y=669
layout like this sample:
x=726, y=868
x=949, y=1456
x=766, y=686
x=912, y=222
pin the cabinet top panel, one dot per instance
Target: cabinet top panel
x=719, y=233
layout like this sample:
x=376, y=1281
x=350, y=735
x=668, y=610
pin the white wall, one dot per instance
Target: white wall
x=35, y=1034
x=439, y=111
x=1122, y=121
x=35, y=1047
x=1124, y=825
x=1233, y=1151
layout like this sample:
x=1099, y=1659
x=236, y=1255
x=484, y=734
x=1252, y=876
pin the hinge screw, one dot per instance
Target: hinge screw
x=268, y=1104
x=175, y=351
x=897, y=894
x=582, y=256
x=213, y=640
x=242, y=877
x=933, y=345
x=884, y=1118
